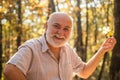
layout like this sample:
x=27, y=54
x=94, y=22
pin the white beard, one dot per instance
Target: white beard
x=55, y=43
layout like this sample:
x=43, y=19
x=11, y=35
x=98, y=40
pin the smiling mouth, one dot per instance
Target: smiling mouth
x=59, y=38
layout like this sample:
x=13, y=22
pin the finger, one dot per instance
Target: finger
x=108, y=41
x=112, y=40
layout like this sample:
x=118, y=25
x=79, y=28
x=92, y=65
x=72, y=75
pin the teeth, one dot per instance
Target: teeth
x=60, y=36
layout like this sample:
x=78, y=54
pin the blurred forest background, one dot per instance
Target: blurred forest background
x=94, y=21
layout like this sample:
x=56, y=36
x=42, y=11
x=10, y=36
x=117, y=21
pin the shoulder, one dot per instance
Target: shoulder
x=67, y=46
x=32, y=43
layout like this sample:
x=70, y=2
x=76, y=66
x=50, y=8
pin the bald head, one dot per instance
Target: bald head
x=60, y=15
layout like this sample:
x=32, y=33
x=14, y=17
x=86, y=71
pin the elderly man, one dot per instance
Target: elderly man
x=50, y=57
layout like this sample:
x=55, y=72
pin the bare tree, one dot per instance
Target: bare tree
x=19, y=27
x=87, y=31
x=51, y=7
x=115, y=61
x=79, y=41
x=1, y=51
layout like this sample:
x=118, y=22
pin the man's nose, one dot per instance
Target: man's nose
x=60, y=31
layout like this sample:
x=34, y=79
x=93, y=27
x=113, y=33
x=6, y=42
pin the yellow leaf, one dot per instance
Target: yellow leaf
x=110, y=33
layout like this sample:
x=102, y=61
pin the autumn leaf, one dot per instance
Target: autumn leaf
x=110, y=33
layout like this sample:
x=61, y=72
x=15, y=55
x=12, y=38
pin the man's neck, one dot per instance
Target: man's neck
x=55, y=51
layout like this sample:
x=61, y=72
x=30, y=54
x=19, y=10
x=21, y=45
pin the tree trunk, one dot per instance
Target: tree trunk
x=115, y=61
x=102, y=67
x=51, y=7
x=79, y=41
x=94, y=14
x=0, y=50
x=87, y=31
x=19, y=27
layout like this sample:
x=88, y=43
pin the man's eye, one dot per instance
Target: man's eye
x=56, y=26
x=66, y=29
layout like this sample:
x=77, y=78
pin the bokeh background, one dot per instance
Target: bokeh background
x=94, y=21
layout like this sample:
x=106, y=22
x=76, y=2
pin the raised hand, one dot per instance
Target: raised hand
x=108, y=44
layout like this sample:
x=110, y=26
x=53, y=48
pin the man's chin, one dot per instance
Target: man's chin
x=56, y=45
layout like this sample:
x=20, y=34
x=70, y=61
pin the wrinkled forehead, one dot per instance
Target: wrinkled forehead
x=60, y=16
